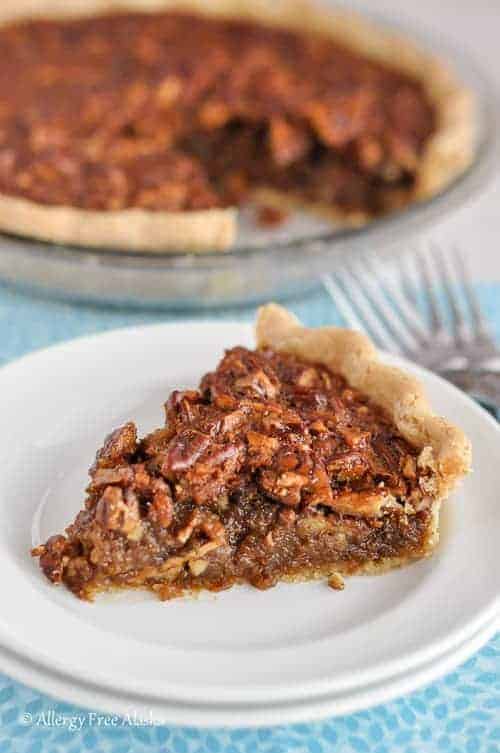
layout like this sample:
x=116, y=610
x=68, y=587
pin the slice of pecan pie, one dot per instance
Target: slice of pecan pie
x=124, y=127
x=305, y=458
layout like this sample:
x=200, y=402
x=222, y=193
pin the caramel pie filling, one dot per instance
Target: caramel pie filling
x=176, y=111
x=272, y=469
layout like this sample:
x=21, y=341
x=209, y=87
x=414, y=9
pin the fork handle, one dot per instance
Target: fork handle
x=483, y=385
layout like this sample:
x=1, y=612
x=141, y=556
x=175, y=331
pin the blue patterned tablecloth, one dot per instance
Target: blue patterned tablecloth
x=458, y=714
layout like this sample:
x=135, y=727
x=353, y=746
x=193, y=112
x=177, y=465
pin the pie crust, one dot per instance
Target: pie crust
x=447, y=153
x=307, y=458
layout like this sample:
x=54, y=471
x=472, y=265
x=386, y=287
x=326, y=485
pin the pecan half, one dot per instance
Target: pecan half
x=183, y=451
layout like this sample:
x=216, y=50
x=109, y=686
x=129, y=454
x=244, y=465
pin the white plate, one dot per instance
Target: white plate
x=245, y=715
x=242, y=646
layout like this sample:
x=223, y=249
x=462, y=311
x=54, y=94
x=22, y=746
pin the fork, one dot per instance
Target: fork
x=453, y=340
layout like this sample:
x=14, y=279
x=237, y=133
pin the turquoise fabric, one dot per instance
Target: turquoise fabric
x=458, y=714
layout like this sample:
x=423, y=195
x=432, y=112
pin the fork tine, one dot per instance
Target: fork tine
x=436, y=322
x=458, y=323
x=373, y=289
x=349, y=311
x=375, y=310
x=409, y=316
x=479, y=324
x=341, y=302
x=407, y=284
x=375, y=325
x=343, y=288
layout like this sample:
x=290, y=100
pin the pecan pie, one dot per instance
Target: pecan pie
x=140, y=129
x=305, y=458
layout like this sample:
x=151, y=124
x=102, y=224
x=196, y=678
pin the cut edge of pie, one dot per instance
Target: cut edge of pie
x=447, y=153
x=207, y=503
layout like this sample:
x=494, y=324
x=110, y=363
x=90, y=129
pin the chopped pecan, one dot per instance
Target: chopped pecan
x=182, y=405
x=370, y=153
x=287, y=516
x=142, y=479
x=313, y=525
x=307, y=378
x=287, y=461
x=214, y=529
x=214, y=114
x=233, y=421
x=118, y=447
x=122, y=475
x=161, y=509
x=341, y=120
x=198, y=566
x=363, y=504
x=278, y=419
x=214, y=473
x=319, y=489
x=157, y=441
x=261, y=448
x=318, y=427
x=409, y=467
x=354, y=436
x=52, y=557
x=285, y=487
x=184, y=534
x=336, y=582
x=348, y=466
x=257, y=382
x=119, y=511
x=225, y=402
x=168, y=91
x=288, y=142
x=209, y=524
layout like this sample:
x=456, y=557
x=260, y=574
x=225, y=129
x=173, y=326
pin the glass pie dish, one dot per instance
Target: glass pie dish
x=263, y=264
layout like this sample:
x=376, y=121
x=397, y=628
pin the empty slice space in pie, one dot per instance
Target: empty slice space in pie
x=306, y=458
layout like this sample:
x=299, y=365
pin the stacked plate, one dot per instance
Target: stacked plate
x=242, y=657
